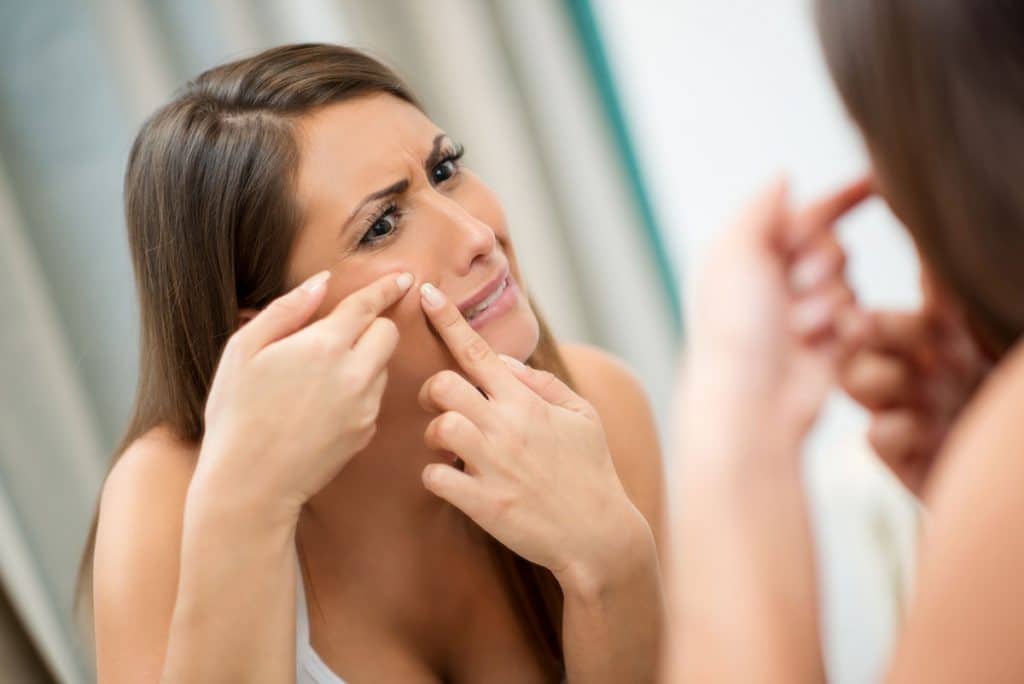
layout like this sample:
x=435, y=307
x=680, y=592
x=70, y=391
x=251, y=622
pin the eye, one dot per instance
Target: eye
x=444, y=171
x=447, y=167
x=383, y=225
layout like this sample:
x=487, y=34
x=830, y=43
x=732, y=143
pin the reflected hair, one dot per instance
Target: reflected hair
x=211, y=220
x=936, y=87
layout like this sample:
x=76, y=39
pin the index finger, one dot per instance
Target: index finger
x=483, y=366
x=354, y=314
x=822, y=214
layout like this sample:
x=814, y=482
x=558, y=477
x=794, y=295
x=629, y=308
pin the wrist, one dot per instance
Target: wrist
x=626, y=553
x=222, y=501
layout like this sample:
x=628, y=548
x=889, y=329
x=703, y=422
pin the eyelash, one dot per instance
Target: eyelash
x=390, y=209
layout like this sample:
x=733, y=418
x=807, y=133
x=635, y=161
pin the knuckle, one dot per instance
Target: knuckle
x=352, y=378
x=448, y=425
x=366, y=435
x=367, y=418
x=328, y=346
x=361, y=307
x=587, y=410
x=477, y=349
x=546, y=378
x=449, y=316
x=502, y=504
x=388, y=328
x=443, y=384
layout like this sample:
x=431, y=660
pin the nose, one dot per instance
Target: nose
x=466, y=239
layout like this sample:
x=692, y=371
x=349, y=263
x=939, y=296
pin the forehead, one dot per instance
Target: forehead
x=352, y=148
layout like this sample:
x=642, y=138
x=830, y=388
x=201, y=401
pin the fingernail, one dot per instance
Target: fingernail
x=404, y=281
x=432, y=295
x=315, y=283
x=809, y=272
x=511, y=361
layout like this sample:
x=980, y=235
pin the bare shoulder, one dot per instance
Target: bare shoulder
x=990, y=428
x=970, y=568
x=621, y=401
x=138, y=542
x=149, y=481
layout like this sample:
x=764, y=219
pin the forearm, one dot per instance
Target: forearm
x=743, y=608
x=234, y=617
x=743, y=604
x=613, y=617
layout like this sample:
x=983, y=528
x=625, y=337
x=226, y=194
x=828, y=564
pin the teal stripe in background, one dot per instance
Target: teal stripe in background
x=585, y=22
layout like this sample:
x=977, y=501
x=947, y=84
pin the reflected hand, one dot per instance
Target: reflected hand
x=770, y=314
x=913, y=372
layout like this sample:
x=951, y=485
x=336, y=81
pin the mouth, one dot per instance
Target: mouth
x=486, y=297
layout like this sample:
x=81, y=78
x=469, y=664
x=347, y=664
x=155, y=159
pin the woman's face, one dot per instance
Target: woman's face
x=381, y=190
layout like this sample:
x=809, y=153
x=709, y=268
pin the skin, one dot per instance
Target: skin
x=757, y=565
x=398, y=571
x=912, y=371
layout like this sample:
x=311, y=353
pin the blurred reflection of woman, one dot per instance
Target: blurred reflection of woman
x=936, y=89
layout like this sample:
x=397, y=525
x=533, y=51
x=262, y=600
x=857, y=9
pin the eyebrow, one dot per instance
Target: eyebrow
x=398, y=187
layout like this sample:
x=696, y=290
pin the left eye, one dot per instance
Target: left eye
x=382, y=227
x=444, y=171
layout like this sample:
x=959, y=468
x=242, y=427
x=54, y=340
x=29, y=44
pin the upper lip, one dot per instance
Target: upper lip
x=484, y=292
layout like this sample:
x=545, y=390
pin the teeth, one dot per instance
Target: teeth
x=482, y=306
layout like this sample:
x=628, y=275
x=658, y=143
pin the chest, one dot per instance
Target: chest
x=461, y=627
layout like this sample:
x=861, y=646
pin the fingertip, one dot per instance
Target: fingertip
x=316, y=284
x=431, y=476
x=431, y=297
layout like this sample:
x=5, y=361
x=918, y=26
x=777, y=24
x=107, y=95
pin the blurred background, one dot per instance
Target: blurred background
x=620, y=134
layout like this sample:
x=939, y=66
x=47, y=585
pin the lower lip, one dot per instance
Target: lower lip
x=502, y=305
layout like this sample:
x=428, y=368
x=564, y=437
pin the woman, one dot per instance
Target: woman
x=936, y=89
x=324, y=292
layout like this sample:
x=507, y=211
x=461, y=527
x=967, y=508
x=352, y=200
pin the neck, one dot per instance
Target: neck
x=377, y=508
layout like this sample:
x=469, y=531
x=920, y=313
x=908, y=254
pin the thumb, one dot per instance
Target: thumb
x=546, y=385
x=284, y=315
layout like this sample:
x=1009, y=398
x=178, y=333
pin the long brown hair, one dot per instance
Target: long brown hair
x=211, y=222
x=937, y=89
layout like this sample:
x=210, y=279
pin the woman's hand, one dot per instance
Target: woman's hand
x=292, y=403
x=770, y=317
x=538, y=475
x=772, y=311
x=913, y=372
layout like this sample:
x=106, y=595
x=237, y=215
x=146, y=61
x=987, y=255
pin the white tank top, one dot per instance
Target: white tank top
x=309, y=668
